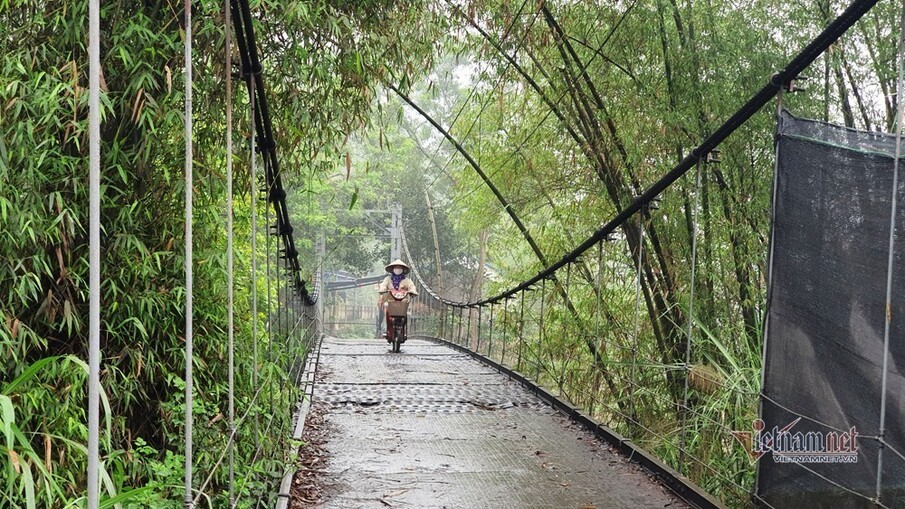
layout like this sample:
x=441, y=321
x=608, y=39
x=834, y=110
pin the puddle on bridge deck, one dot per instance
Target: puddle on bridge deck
x=432, y=428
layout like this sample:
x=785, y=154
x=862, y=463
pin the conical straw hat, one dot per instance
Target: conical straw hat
x=398, y=263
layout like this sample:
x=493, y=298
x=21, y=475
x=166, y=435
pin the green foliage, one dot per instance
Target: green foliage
x=637, y=85
x=593, y=117
x=323, y=60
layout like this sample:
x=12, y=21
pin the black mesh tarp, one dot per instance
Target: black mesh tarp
x=824, y=344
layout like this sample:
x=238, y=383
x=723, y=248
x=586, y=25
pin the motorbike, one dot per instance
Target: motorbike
x=397, y=309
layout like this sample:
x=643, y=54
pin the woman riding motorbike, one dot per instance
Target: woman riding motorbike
x=397, y=279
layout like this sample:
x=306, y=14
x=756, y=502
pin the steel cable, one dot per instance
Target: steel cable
x=227, y=30
x=637, y=314
x=690, y=329
x=253, y=211
x=94, y=255
x=229, y=443
x=189, y=503
x=263, y=129
x=757, y=101
x=900, y=88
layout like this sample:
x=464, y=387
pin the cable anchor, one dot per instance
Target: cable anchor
x=652, y=204
x=792, y=85
x=715, y=156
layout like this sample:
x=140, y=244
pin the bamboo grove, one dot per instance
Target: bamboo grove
x=43, y=161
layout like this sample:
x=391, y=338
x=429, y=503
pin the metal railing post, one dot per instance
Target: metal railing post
x=596, y=368
x=459, y=334
x=631, y=402
x=540, y=332
x=478, y=344
x=521, y=330
x=468, y=329
x=490, y=337
x=503, y=333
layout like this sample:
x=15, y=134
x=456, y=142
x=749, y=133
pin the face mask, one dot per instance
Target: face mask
x=397, y=270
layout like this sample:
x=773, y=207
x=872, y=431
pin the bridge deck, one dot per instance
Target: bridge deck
x=431, y=427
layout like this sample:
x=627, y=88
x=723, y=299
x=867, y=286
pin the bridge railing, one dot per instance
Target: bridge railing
x=261, y=439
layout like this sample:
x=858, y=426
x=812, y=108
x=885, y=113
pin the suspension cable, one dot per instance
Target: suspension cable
x=280, y=329
x=267, y=299
x=638, y=285
x=802, y=60
x=691, y=320
x=231, y=439
x=227, y=30
x=900, y=88
x=253, y=206
x=94, y=255
x=770, y=259
x=187, y=6
x=263, y=128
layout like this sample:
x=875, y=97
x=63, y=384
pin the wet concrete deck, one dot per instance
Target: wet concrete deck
x=431, y=427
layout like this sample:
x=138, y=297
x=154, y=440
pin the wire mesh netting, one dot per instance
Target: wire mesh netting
x=824, y=357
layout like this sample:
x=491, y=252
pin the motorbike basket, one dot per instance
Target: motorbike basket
x=397, y=308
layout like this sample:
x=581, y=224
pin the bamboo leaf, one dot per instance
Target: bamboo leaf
x=29, y=483
x=27, y=375
x=124, y=497
x=354, y=199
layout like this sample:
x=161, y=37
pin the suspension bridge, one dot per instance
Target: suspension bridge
x=535, y=398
